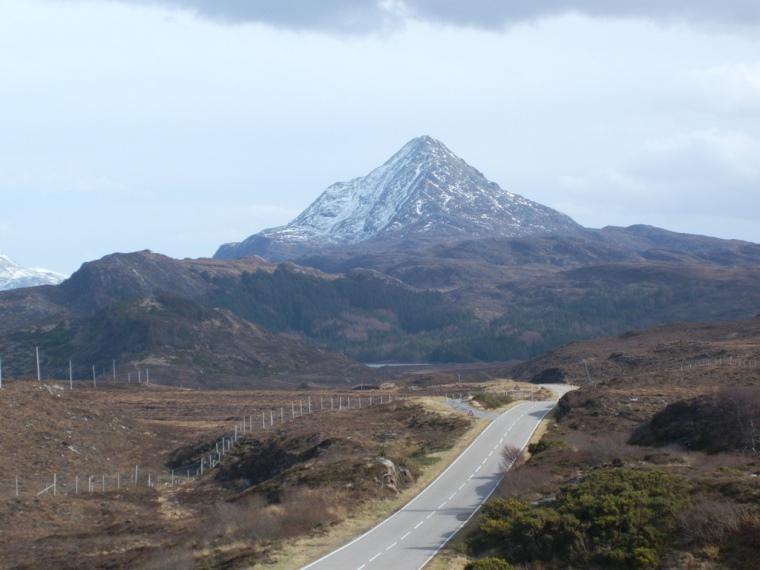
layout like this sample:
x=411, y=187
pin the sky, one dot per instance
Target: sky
x=180, y=125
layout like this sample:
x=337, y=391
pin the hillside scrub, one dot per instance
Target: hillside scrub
x=490, y=401
x=613, y=518
x=728, y=420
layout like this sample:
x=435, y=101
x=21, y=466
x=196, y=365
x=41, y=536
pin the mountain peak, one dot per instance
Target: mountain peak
x=423, y=194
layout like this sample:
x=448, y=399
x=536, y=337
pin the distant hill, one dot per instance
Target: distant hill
x=179, y=342
x=660, y=349
x=486, y=300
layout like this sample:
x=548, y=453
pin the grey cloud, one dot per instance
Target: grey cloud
x=344, y=16
x=361, y=16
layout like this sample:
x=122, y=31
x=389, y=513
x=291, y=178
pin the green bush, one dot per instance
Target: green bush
x=488, y=564
x=545, y=444
x=614, y=518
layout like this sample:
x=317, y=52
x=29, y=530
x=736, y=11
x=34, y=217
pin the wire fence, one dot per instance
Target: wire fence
x=27, y=485
x=730, y=361
x=33, y=485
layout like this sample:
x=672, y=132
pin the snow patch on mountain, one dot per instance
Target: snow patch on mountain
x=15, y=276
x=423, y=193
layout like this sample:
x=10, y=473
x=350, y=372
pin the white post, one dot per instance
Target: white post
x=118, y=480
x=271, y=417
x=135, y=474
x=292, y=409
x=17, y=485
x=129, y=377
x=94, y=382
x=300, y=403
x=282, y=415
x=263, y=420
x=37, y=350
x=55, y=483
x=114, y=370
x=139, y=376
x=309, y=404
x=147, y=376
x=71, y=377
x=76, y=484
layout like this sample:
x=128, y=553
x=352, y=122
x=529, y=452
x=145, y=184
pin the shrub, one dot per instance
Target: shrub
x=615, y=518
x=710, y=522
x=510, y=455
x=488, y=564
x=545, y=444
x=490, y=401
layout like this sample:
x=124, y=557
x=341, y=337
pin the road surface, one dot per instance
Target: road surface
x=408, y=539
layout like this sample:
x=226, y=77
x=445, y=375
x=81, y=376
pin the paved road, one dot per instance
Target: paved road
x=408, y=539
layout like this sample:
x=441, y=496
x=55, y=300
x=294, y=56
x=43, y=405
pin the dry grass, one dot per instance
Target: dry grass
x=118, y=428
x=298, y=552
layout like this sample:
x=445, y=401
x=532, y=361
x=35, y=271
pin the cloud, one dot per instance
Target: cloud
x=670, y=181
x=363, y=16
x=730, y=88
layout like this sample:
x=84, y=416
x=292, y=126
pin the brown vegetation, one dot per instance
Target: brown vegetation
x=319, y=469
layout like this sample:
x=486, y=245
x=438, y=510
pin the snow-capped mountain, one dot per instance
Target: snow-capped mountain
x=15, y=276
x=424, y=194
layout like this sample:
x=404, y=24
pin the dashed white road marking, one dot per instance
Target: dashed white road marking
x=407, y=534
x=418, y=525
x=375, y=556
x=392, y=545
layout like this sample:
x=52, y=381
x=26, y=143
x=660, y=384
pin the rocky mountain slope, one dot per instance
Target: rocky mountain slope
x=15, y=276
x=423, y=195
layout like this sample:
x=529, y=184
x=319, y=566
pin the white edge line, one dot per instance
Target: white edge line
x=461, y=455
x=433, y=482
x=538, y=423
